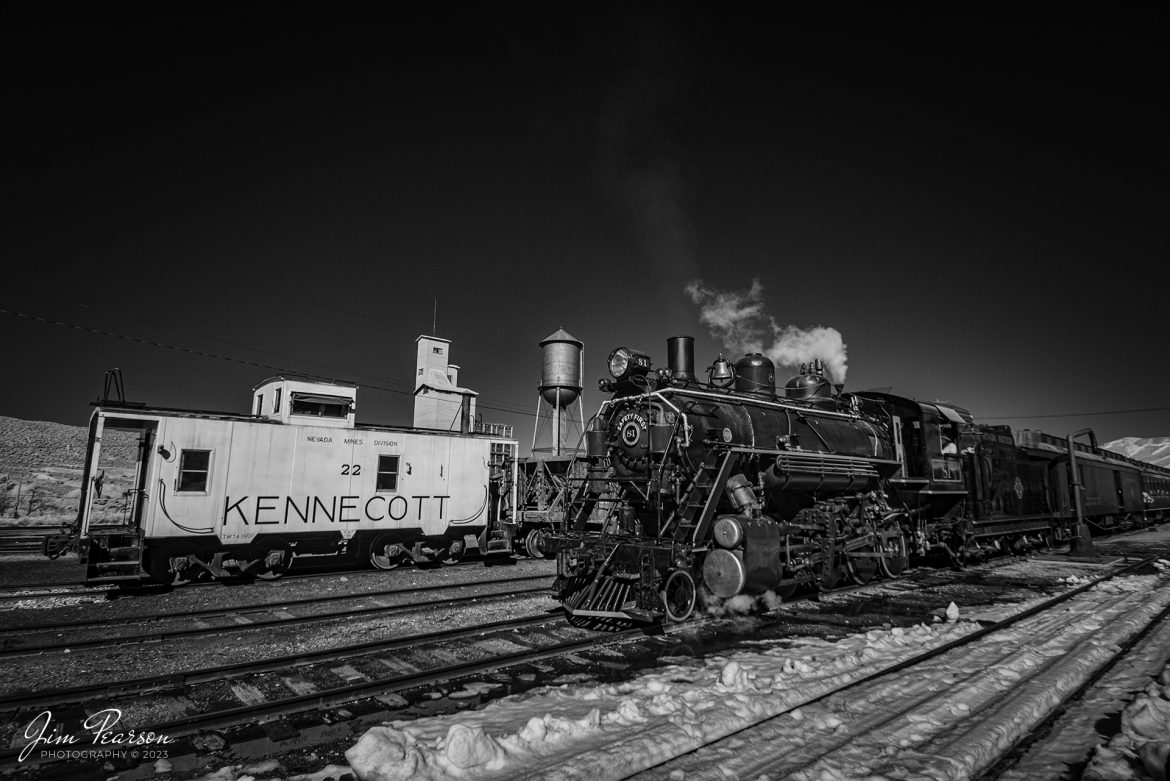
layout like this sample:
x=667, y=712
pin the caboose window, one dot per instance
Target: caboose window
x=276, y=401
x=194, y=466
x=259, y=403
x=387, y=473
x=320, y=406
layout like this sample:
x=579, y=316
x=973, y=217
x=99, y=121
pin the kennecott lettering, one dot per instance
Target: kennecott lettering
x=283, y=510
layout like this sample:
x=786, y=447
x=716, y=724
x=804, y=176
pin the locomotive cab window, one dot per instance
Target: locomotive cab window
x=948, y=440
x=387, y=473
x=194, y=470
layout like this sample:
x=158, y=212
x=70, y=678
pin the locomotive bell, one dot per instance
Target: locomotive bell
x=755, y=374
x=721, y=374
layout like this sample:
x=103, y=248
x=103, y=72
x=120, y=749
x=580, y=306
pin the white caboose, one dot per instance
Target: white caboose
x=218, y=494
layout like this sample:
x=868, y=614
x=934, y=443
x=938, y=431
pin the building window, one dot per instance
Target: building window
x=194, y=470
x=437, y=350
x=387, y=473
x=259, y=403
x=276, y=401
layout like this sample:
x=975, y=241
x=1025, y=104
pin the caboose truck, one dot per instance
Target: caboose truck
x=728, y=487
x=220, y=494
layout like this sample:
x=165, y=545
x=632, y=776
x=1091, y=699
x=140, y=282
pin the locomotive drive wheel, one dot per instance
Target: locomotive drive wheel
x=863, y=569
x=387, y=554
x=828, y=571
x=896, y=557
x=532, y=544
x=786, y=592
x=679, y=594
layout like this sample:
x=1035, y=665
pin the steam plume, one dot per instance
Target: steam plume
x=737, y=318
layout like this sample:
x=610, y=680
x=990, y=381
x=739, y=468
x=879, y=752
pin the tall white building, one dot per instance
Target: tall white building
x=438, y=400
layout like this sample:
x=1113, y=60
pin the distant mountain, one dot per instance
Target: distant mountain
x=1152, y=450
x=40, y=470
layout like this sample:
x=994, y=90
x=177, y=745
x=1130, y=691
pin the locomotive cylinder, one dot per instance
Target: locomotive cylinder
x=752, y=569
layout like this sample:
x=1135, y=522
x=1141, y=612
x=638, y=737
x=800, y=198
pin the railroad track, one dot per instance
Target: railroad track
x=20, y=542
x=242, y=693
x=973, y=715
x=65, y=588
x=366, y=671
x=26, y=639
x=230, y=697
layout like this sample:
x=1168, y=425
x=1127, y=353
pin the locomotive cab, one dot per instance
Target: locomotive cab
x=927, y=437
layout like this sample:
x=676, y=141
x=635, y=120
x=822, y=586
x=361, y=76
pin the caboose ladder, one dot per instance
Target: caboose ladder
x=697, y=509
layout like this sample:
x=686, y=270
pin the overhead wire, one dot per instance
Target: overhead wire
x=386, y=389
x=228, y=358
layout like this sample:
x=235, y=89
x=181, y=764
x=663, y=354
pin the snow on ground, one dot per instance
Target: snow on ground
x=612, y=731
x=1143, y=744
x=950, y=717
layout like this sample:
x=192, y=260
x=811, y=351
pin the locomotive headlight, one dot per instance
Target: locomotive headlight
x=625, y=363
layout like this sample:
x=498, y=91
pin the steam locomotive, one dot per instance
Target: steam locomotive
x=729, y=487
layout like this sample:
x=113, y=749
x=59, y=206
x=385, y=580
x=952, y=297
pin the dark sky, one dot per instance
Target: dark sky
x=975, y=200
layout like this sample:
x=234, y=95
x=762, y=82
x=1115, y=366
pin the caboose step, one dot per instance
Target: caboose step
x=116, y=565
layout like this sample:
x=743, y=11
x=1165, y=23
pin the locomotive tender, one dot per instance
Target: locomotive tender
x=728, y=487
x=220, y=494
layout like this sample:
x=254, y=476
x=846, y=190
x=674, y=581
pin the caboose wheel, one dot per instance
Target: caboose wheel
x=454, y=552
x=275, y=564
x=160, y=567
x=895, y=558
x=386, y=554
x=679, y=593
x=532, y=544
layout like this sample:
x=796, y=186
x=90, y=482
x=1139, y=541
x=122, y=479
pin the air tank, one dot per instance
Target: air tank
x=560, y=374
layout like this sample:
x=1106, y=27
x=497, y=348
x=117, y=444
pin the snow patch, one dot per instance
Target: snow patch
x=634, y=724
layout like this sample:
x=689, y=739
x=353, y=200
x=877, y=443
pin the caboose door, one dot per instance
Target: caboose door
x=137, y=496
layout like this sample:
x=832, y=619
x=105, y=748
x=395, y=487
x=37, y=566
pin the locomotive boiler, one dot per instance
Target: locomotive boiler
x=729, y=487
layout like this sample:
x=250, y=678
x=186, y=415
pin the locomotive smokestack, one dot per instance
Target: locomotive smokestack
x=680, y=355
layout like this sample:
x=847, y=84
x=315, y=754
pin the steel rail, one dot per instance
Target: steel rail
x=335, y=570
x=262, y=606
x=170, y=680
x=918, y=659
x=102, y=642
x=1037, y=733
x=328, y=698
